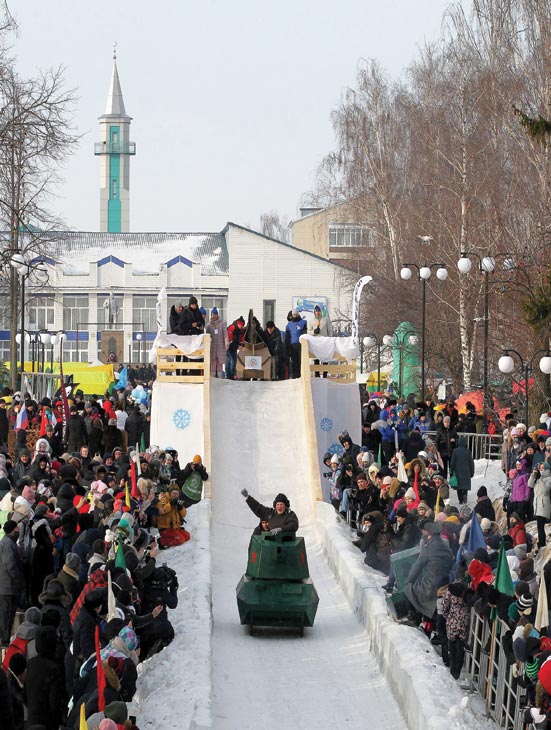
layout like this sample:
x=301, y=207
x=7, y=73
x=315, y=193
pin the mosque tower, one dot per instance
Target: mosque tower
x=114, y=150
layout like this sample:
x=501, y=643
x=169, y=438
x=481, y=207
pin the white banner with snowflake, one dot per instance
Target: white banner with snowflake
x=336, y=409
x=177, y=419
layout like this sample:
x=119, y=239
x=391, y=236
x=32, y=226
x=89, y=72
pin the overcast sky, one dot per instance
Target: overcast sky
x=230, y=99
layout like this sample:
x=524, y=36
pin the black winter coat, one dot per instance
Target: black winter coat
x=485, y=508
x=134, y=427
x=433, y=564
x=462, y=465
x=445, y=440
x=84, y=631
x=413, y=445
x=175, y=321
x=76, y=433
x=288, y=521
x=189, y=316
x=407, y=535
x=111, y=437
x=44, y=683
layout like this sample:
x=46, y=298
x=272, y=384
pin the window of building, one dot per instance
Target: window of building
x=219, y=302
x=349, y=235
x=40, y=313
x=140, y=352
x=102, y=316
x=144, y=312
x=5, y=351
x=75, y=311
x=269, y=311
x=70, y=353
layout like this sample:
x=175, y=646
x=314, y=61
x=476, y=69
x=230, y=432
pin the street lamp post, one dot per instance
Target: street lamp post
x=424, y=274
x=139, y=338
x=506, y=364
x=486, y=265
x=24, y=270
x=373, y=341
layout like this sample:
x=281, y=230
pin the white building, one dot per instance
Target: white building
x=235, y=269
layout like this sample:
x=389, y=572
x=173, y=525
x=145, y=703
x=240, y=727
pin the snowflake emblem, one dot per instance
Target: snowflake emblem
x=181, y=418
x=335, y=449
x=326, y=424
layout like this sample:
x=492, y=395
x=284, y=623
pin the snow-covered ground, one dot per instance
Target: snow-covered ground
x=277, y=680
x=214, y=675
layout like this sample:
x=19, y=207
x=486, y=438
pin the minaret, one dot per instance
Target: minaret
x=115, y=149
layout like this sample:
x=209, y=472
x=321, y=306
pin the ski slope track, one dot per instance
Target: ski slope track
x=276, y=680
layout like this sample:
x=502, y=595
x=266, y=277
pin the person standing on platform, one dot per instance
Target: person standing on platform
x=295, y=328
x=218, y=343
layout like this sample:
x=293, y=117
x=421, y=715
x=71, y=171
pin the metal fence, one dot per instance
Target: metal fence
x=481, y=445
x=489, y=672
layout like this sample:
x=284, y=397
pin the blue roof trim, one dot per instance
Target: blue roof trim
x=4, y=335
x=147, y=336
x=179, y=260
x=44, y=259
x=83, y=336
x=111, y=260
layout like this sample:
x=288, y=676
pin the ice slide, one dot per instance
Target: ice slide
x=277, y=680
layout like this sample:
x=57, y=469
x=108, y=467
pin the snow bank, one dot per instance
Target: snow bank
x=175, y=686
x=428, y=696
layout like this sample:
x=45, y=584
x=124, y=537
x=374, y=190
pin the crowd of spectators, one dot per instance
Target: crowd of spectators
x=86, y=506
x=396, y=491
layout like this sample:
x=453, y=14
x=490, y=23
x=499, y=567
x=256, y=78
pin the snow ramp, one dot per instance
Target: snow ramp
x=263, y=439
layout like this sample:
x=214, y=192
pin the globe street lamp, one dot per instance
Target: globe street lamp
x=506, y=365
x=25, y=269
x=139, y=338
x=424, y=273
x=486, y=266
x=371, y=341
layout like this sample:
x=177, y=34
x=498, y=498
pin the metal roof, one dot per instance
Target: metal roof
x=146, y=251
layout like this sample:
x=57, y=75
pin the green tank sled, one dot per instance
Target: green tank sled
x=276, y=589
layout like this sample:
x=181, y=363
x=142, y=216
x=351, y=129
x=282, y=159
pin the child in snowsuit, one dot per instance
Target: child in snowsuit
x=457, y=614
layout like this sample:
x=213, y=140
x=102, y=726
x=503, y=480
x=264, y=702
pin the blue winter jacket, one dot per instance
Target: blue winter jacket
x=294, y=330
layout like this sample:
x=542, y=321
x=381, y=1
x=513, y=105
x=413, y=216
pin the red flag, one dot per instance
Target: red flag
x=100, y=674
x=44, y=421
x=135, y=493
x=64, y=401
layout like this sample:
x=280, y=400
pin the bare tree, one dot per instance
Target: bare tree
x=275, y=225
x=35, y=139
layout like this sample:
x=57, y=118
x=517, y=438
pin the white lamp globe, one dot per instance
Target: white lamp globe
x=369, y=341
x=140, y=338
x=54, y=339
x=18, y=338
x=442, y=273
x=27, y=337
x=545, y=365
x=388, y=340
x=23, y=270
x=17, y=260
x=506, y=364
x=424, y=272
x=464, y=265
x=488, y=264
x=406, y=273
x=45, y=338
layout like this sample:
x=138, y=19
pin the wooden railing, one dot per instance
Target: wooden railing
x=343, y=371
x=173, y=366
